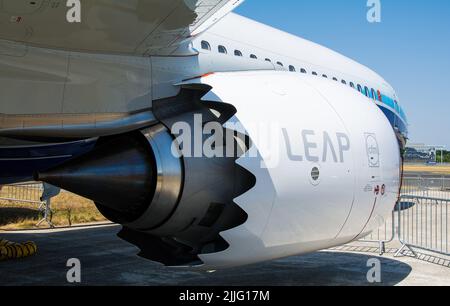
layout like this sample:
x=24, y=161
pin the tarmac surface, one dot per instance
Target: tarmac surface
x=107, y=260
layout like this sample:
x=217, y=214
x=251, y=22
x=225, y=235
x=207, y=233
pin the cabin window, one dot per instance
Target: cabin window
x=268, y=60
x=291, y=68
x=280, y=64
x=314, y=73
x=253, y=56
x=352, y=85
x=366, y=91
x=374, y=96
x=360, y=88
x=237, y=53
x=325, y=76
x=206, y=45
x=344, y=82
x=335, y=79
x=222, y=50
x=303, y=70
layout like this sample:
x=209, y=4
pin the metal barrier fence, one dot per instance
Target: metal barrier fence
x=22, y=193
x=427, y=187
x=28, y=193
x=420, y=220
x=383, y=235
x=423, y=223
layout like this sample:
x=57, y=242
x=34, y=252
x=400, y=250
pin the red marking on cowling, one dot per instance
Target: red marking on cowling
x=377, y=190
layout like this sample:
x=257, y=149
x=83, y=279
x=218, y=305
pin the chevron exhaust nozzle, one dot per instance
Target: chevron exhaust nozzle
x=173, y=208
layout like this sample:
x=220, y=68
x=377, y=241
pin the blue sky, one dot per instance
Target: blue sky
x=410, y=48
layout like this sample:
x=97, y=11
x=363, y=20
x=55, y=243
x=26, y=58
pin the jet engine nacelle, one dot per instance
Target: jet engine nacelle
x=312, y=165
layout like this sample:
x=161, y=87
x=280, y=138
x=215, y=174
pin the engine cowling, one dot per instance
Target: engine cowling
x=313, y=164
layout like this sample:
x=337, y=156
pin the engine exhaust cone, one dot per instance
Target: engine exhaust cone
x=119, y=174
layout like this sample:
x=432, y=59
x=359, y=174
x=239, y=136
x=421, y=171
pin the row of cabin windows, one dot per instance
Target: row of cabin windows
x=376, y=95
x=223, y=50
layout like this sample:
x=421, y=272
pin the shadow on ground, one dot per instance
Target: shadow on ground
x=10, y=215
x=106, y=260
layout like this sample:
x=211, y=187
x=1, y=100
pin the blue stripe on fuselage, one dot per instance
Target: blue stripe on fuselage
x=393, y=112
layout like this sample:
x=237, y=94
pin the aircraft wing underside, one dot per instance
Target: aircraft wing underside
x=134, y=27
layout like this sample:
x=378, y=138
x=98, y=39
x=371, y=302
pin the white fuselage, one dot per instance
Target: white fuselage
x=237, y=43
x=235, y=32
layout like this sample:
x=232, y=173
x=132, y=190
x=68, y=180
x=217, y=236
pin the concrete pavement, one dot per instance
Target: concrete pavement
x=107, y=260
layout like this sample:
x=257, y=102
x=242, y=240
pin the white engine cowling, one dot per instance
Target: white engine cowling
x=314, y=164
x=327, y=167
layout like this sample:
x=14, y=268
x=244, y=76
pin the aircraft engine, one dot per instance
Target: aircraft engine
x=244, y=167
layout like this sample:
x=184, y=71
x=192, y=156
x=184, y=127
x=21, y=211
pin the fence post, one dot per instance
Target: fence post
x=48, y=214
x=404, y=246
x=49, y=192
